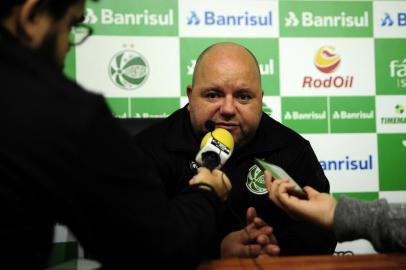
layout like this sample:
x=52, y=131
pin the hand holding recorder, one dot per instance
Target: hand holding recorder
x=279, y=173
x=318, y=208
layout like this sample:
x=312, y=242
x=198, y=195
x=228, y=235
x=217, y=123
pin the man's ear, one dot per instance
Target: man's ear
x=33, y=24
x=189, y=90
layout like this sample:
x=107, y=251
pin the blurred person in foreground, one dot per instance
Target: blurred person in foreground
x=65, y=159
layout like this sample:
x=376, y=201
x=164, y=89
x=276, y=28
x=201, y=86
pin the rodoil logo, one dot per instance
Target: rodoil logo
x=327, y=61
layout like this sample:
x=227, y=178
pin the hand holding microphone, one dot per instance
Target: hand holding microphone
x=215, y=149
x=215, y=179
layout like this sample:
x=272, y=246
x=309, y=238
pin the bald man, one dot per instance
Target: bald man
x=226, y=89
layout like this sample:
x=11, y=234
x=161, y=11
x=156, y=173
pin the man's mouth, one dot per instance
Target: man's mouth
x=228, y=126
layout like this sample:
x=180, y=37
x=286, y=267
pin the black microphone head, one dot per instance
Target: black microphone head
x=210, y=125
x=210, y=160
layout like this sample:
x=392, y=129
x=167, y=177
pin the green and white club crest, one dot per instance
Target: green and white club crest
x=256, y=181
x=128, y=69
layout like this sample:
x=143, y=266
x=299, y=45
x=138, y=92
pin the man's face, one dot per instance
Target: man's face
x=55, y=44
x=227, y=91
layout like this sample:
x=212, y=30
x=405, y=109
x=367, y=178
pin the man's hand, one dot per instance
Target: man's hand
x=256, y=239
x=216, y=179
x=318, y=209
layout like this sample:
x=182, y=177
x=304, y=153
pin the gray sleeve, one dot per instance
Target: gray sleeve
x=381, y=223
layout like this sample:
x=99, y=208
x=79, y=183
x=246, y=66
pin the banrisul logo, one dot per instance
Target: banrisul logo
x=397, y=71
x=212, y=18
x=352, y=114
x=398, y=116
x=256, y=181
x=332, y=19
x=292, y=20
x=310, y=19
x=90, y=17
x=108, y=16
x=128, y=69
x=193, y=19
x=305, y=114
x=347, y=163
x=398, y=19
x=387, y=20
x=327, y=60
x=133, y=18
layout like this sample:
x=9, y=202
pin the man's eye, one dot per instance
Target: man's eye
x=212, y=95
x=244, y=96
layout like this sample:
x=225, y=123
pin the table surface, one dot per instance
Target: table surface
x=355, y=262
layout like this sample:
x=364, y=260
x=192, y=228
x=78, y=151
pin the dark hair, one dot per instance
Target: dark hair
x=55, y=8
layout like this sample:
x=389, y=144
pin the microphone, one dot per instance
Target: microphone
x=216, y=147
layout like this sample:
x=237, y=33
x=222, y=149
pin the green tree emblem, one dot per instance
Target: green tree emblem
x=256, y=181
x=128, y=69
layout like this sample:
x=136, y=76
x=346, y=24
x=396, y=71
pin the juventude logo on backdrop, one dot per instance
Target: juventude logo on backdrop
x=128, y=69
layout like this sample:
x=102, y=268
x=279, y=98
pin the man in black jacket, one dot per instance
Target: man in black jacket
x=226, y=89
x=65, y=159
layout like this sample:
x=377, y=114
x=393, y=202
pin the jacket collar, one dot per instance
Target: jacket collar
x=182, y=138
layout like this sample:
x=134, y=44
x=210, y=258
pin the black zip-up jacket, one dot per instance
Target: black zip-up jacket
x=65, y=159
x=172, y=145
